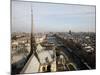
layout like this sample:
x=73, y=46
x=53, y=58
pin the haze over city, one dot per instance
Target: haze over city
x=52, y=17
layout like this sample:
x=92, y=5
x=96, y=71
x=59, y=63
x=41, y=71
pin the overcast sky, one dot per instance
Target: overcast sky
x=49, y=17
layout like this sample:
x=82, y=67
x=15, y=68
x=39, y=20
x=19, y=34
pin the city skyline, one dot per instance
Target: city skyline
x=52, y=17
x=51, y=37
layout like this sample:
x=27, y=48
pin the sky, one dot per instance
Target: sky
x=50, y=17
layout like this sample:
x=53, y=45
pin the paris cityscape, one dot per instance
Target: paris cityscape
x=52, y=40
